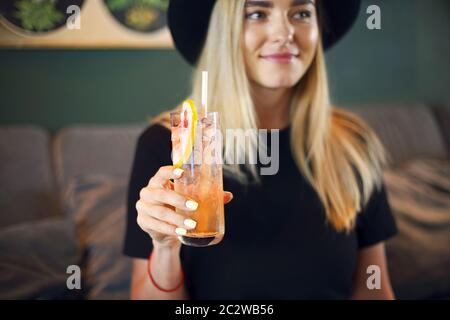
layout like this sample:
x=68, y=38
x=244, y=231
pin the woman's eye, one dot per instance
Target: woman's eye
x=257, y=15
x=303, y=14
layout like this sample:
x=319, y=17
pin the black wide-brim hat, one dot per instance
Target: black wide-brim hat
x=188, y=22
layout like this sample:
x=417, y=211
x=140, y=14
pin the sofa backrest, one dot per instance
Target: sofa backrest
x=28, y=181
x=27, y=189
x=406, y=131
x=86, y=150
x=442, y=116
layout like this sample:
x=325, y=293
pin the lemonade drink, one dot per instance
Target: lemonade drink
x=197, y=149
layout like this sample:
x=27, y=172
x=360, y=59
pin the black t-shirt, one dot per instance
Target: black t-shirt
x=277, y=243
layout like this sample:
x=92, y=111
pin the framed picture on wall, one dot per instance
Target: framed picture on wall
x=84, y=24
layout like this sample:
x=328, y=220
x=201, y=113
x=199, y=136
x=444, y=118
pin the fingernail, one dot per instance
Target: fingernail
x=190, y=223
x=178, y=172
x=180, y=231
x=191, y=205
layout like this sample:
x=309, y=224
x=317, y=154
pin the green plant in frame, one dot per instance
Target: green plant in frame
x=117, y=5
x=160, y=4
x=39, y=15
x=140, y=18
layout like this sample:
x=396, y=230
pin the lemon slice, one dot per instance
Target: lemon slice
x=182, y=147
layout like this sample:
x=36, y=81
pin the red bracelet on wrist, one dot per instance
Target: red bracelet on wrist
x=154, y=282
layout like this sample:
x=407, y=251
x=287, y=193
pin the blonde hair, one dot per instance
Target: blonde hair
x=339, y=155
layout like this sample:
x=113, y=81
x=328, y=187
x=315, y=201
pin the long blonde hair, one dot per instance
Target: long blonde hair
x=338, y=154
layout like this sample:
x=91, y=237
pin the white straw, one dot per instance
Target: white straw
x=205, y=92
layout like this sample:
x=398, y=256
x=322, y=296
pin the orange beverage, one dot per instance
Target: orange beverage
x=197, y=149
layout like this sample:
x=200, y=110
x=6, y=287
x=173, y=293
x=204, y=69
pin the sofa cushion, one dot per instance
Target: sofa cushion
x=27, y=184
x=34, y=257
x=97, y=205
x=84, y=150
x=419, y=256
x=407, y=132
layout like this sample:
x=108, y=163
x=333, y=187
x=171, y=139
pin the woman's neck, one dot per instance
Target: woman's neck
x=272, y=106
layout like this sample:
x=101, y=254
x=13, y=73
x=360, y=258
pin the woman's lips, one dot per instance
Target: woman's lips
x=279, y=57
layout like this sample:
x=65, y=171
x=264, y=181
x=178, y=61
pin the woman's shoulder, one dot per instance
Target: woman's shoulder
x=154, y=132
x=153, y=147
x=369, y=157
x=158, y=129
x=355, y=128
x=156, y=136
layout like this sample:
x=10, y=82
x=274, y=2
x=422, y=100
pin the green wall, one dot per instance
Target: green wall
x=378, y=65
x=55, y=88
x=406, y=61
x=434, y=51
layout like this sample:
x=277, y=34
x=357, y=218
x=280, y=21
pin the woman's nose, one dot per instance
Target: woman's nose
x=282, y=29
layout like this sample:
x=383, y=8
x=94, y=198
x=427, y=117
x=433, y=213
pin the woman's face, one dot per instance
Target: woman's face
x=279, y=40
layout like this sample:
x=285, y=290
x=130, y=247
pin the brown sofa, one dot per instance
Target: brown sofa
x=62, y=202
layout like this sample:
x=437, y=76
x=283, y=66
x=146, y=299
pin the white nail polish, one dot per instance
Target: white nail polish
x=178, y=172
x=180, y=231
x=190, y=223
x=191, y=205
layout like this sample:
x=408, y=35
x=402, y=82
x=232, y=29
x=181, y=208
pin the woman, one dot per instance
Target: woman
x=309, y=231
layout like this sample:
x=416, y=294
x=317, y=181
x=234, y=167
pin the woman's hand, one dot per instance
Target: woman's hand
x=156, y=208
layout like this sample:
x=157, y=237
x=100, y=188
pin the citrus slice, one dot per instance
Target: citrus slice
x=184, y=135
